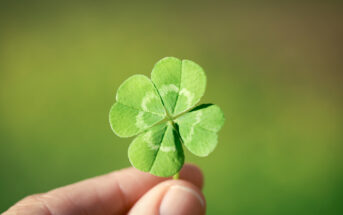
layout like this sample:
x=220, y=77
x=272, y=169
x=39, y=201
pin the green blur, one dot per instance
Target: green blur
x=274, y=68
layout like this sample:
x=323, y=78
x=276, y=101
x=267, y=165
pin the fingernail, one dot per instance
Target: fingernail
x=182, y=201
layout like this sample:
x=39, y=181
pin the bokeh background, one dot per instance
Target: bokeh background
x=275, y=68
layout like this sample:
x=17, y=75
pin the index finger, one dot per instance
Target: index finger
x=114, y=193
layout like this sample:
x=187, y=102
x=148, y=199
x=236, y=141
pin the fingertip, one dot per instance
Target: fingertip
x=171, y=197
x=182, y=198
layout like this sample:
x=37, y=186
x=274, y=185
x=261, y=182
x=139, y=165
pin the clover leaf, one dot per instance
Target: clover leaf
x=161, y=112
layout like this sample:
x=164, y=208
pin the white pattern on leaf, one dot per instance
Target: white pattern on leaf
x=147, y=98
x=168, y=148
x=165, y=89
x=196, y=122
x=140, y=120
x=188, y=95
x=149, y=141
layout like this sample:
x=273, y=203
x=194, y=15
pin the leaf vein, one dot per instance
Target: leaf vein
x=158, y=150
x=177, y=96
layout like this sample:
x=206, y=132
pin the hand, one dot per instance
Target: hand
x=121, y=192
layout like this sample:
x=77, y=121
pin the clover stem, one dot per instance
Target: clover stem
x=176, y=176
x=171, y=121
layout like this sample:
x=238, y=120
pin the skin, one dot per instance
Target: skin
x=127, y=191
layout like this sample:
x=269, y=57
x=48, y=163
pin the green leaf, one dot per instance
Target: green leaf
x=157, y=151
x=138, y=107
x=180, y=84
x=199, y=128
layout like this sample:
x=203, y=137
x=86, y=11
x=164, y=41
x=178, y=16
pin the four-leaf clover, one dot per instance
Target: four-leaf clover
x=161, y=111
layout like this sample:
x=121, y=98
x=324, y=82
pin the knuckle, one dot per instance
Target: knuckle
x=31, y=198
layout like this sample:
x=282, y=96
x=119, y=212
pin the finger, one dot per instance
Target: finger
x=171, y=197
x=113, y=193
x=193, y=174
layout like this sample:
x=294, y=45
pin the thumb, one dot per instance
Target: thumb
x=171, y=197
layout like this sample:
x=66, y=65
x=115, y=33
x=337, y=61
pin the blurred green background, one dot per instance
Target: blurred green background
x=275, y=68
